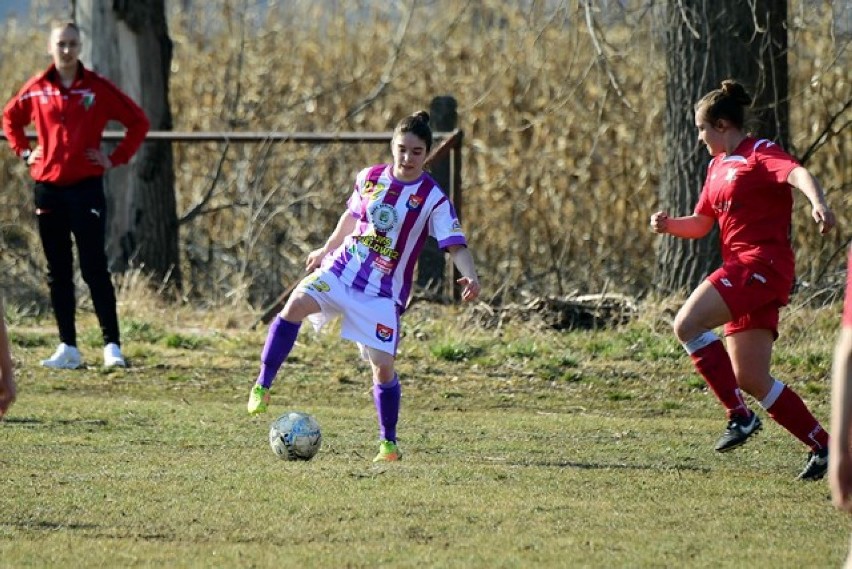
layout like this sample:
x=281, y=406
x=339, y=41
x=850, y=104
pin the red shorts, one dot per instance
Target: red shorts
x=754, y=295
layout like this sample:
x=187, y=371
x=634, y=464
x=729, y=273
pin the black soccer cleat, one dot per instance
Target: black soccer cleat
x=738, y=432
x=816, y=466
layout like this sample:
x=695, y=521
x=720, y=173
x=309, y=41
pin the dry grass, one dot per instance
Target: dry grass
x=560, y=173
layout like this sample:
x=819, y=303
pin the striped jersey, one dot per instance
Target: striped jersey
x=394, y=219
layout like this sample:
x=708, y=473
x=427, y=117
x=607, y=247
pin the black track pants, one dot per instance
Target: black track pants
x=79, y=210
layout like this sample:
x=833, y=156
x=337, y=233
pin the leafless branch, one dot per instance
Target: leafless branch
x=686, y=21
x=826, y=133
x=602, y=59
x=385, y=79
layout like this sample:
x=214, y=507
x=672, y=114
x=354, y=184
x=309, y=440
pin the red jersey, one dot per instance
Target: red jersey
x=68, y=121
x=748, y=194
x=847, y=302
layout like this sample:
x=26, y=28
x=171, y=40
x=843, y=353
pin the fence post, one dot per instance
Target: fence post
x=443, y=116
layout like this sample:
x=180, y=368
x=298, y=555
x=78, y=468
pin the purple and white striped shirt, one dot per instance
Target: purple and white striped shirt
x=394, y=219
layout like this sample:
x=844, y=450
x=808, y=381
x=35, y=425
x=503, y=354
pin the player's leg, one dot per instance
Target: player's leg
x=387, y=396
x=750, y=341
x=54, y=229
x=704, y=310
x=374, y=323
x=280, y=340
x=87, y=207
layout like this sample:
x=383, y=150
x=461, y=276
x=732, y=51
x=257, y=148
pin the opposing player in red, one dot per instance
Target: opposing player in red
x=70, y=106
x=748, y=192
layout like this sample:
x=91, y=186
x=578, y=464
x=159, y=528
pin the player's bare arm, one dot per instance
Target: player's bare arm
x=688, y=227
x=802, y=179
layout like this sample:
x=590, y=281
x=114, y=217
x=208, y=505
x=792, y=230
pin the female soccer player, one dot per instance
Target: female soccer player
x=70, y=107
x=748, y=191
x=364, y=271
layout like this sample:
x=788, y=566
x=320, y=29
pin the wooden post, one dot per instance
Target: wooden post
x=443, y=116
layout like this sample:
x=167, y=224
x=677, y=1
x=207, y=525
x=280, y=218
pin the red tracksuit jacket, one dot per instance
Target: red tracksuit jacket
x=69, y=121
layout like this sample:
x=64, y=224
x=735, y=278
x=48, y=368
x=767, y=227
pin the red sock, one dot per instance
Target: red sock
x=790, y=412
x=714, y=364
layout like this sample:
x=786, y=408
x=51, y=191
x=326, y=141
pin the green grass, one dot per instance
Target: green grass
x=508, y=462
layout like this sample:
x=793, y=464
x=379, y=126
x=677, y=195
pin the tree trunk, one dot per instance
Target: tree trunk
x=708, y=41
x=127, y=41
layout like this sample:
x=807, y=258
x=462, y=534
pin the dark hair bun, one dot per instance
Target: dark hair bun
x=736, y=92
x=421, y=115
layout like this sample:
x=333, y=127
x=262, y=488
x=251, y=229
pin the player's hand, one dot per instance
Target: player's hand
x=36, y=154
x=314, y=259
x=470, y=288
x=660, y=222
x=824, y=217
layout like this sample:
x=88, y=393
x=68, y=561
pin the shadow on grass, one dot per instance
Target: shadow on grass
x=32, y=422
x=608, y=466
x=98, y=530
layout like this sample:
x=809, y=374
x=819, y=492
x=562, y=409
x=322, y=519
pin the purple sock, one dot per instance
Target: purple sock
x=279, y=341
x=387, y=397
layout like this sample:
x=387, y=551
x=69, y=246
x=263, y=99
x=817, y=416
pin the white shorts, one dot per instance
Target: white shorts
x=368, y=320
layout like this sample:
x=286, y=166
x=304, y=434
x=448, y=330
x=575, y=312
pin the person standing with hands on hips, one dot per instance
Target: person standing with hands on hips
x=747, y=190
x=364, y=272
x=70, y=107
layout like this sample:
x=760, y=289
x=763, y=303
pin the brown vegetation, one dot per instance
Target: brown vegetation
x=561, y=159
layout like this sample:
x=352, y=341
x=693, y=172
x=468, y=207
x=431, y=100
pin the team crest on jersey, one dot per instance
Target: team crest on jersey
x=88, y=100
x=414, y=202
x=384, y=333
x=383, y=216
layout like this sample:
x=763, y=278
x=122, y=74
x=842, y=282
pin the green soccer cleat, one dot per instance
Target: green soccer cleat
x=388, y=452
x=258, y=400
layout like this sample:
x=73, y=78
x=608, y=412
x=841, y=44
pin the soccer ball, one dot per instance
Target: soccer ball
x=295, y=436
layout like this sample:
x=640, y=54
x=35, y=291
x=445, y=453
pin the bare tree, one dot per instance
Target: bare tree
x=128, y=42
x=708, y=41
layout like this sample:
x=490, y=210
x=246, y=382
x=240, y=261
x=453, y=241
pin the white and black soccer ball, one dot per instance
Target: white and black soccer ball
x=295, y=436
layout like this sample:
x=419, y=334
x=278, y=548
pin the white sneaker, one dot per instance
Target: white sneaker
x=113, y=357
x=65, y=357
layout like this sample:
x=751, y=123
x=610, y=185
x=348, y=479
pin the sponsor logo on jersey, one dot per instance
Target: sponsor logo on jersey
x=383, y=216
x=370, y=189
x=383, y=265
x=314, y=282
x=379, y=244
x=722, y=206
x=384, y=333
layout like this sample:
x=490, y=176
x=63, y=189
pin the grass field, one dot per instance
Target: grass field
x=523, y=448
